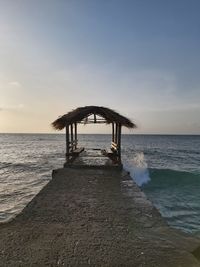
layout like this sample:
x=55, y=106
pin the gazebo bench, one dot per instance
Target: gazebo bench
x=78, y=150
x=110, y=154
x=75, y=152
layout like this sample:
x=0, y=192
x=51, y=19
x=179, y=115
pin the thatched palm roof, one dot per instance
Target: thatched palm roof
x=79, y=114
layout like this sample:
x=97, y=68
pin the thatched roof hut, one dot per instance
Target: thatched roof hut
x=70, y=120
x=81, y=114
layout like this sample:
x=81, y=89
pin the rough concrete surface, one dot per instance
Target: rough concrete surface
x=93, y=218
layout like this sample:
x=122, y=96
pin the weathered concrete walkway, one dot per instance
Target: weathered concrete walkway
x=93, y=218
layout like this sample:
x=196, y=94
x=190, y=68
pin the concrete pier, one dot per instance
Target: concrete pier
x=91, y=217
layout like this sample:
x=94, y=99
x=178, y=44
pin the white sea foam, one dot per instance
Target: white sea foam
x=138, y=169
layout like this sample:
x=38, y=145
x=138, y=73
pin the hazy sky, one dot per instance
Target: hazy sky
x=139, y=57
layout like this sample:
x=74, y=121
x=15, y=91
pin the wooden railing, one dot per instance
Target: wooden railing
x=73, y=145
x=114, y=147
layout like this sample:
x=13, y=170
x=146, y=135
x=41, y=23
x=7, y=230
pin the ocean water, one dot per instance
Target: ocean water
x=166, y=167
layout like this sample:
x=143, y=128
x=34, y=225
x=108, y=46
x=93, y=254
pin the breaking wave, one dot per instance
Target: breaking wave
x=138, y=169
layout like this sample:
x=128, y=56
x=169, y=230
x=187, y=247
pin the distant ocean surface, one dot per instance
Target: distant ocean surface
x=167, y=167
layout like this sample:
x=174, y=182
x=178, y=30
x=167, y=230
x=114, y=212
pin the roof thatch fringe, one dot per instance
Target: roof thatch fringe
x=79, y=114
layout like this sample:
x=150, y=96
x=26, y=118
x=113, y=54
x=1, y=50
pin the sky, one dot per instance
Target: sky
x=139, y=57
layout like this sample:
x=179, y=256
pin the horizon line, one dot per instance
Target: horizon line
x=180, y=134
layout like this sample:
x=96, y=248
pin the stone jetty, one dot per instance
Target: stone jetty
x=93, y=217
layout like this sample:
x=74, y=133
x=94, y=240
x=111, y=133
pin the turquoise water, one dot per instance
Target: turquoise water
x=177, y=195
x=168, y=170
x=166, y=167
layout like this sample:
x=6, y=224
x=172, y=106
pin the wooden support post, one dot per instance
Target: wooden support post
x=67, y=143
x=119, y=142
x=72, y=137
x=76, y=140
x=116, y=133
x=113, y=132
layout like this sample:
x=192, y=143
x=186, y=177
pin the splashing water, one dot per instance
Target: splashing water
x=138, y=169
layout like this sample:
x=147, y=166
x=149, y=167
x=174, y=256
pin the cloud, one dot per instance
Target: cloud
x=15, y=84
x=11, y=107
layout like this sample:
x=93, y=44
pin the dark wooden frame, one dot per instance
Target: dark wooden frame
x=72, y=150
x=116, y=142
